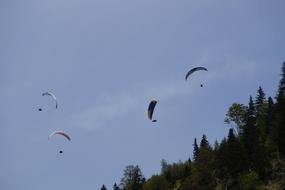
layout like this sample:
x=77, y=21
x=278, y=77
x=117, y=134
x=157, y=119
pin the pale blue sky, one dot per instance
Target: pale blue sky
x=105, y=60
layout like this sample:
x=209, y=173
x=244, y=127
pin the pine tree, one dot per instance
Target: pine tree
x=103, y=187
x=204, y=142
x=221, y=169
x=257, y=157
x=260, y=106
x=269, y=114
x=269, y=110
x=236, y=155
x=216, y=146
x=164, y=166
x=195, y=149
x=277, y=124
x=133, y=178
x=203, y=167
x=270, y=129
x=260, y=99
x=281, y=90
x=230, y=161
x=249, y=135
x=280, y=113
x=115, y=187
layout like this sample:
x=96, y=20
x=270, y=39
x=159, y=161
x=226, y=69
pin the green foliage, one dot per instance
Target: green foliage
x=187, y=185
x=175, y=171
x=278, y=172
x=250, y=181
x=157, y=182
x=195, y=149
x=273, y=186
x=204, y=144
x=281, y=90
x=203, y=167
x=133, y=178
x=280, y=114
x=260, y=99
x=269, y=130
x=261, y=115
x=230, y=161
x=236, y=114
x=250, y=135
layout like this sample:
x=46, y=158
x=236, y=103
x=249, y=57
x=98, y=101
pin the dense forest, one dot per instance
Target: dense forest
x=252, y=156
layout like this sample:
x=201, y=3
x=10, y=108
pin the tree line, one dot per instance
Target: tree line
x=251, y=157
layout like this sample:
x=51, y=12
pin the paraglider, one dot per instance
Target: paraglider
x=62, y=133
x=150, y=111
x=40, y=109
x=53, y=96
x=194, y=70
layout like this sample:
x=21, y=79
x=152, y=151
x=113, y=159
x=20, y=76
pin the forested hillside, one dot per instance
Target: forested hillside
x=251, y=156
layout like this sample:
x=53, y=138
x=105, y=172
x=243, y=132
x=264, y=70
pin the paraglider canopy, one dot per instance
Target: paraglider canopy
x=150, y=110
x=62, y=133
x=53, y=96
x=194, y=70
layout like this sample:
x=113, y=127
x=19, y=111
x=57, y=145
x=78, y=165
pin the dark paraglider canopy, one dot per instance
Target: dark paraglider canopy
x=201, y=85
x=194, y=70
x=150, y=110
x=60, y=151
x=40, y=109
x=154, y=120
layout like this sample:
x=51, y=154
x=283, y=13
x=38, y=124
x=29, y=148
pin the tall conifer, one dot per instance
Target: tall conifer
x=195, y=149
x=280, y=113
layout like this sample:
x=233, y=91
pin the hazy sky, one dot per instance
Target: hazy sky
x=105, y=60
